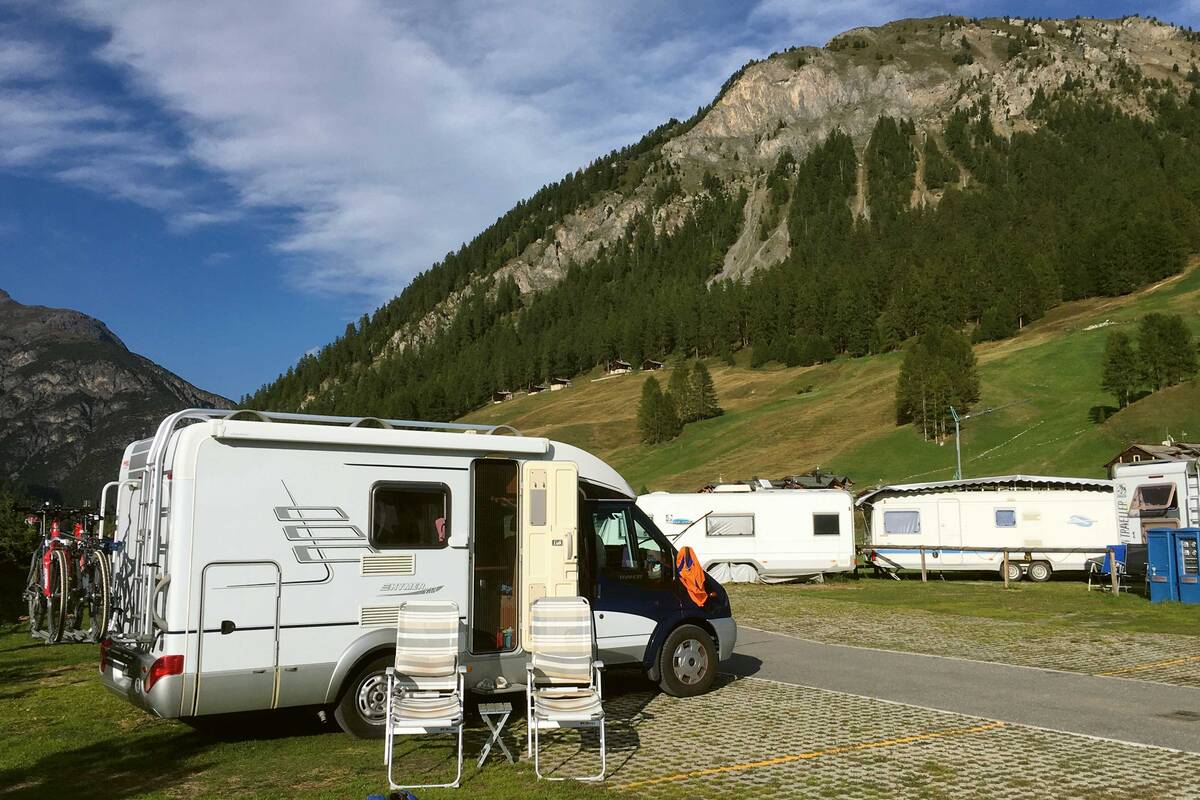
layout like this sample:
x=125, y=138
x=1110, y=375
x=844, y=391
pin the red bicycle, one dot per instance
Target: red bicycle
x=68, y=590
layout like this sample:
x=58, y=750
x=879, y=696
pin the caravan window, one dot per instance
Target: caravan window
x=827, y=525
x=1006, y=518
x=1153, y=498
x=409, y=515
x=902, y=522
x=729, y=525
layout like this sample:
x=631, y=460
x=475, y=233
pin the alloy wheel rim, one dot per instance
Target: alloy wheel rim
x=690, y=662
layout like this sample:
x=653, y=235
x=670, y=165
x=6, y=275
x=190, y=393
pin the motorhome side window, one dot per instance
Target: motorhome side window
x=408, y=516
x=902, y=521
x=729, y=525
x=827, y=525
x=1006, y=518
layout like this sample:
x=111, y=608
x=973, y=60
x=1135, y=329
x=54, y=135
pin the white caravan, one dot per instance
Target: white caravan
x=1157, y=494
x=1013, y=511
x=262, y=558
x=768, y=535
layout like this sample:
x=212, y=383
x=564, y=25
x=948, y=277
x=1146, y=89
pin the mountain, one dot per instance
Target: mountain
x=829, y=204
x=1044, y=384
x=72, y=396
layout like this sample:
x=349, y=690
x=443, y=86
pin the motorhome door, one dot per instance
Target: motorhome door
x=239, y=637
x=949, y=531
x=549, y=532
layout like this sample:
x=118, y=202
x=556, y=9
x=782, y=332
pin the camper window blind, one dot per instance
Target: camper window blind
x=827, y=525
x=1006, y=518
x=729, y=525
x=408, y=516
x=902, y=521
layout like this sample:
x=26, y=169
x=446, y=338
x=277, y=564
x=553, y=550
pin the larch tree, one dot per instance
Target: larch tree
x=1121, y=373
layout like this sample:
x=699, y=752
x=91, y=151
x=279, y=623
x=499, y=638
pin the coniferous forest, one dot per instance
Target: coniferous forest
x=1092, y=202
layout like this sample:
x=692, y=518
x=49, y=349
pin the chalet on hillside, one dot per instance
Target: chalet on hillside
x=649, y=365
x=501, y=396
x=536, y=388
x=1167, y=451
x=559, y=383
x=618, y=367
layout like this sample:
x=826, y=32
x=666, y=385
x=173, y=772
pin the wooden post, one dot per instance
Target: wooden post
x=1005, y=569
x=924, y=578
x=1112, y=569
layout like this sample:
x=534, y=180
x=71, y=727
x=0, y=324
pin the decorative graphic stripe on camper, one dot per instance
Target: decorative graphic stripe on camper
x=375, y=564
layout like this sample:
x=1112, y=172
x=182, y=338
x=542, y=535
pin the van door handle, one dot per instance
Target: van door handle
x=227, y=626
x=259, y=671
x=290, y=669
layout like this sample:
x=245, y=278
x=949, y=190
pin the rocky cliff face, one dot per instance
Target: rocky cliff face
x=72, y=396
x=920, y=69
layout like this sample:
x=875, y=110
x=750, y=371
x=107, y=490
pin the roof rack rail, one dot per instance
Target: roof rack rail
x=361, y=422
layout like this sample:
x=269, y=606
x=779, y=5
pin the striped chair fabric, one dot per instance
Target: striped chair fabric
x=561, y=629
x=427, y=646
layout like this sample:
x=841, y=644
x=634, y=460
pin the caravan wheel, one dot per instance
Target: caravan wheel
x=362, y=708
x=1014, y=572
x=1040, y=572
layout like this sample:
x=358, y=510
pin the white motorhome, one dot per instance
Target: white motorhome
x=262, y=558
x=1009, y=511
x=748, y=534
x=1157, y=494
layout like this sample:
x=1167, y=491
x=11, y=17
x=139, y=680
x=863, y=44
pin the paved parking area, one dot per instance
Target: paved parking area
x=1171, y=659
x=757, y=738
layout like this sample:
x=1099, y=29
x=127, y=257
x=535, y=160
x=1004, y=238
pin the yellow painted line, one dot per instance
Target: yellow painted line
x=1172, y=662
x=812, y=754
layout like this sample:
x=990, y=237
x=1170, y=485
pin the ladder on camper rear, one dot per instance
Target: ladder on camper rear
x=150, y=582
x=1192, y=479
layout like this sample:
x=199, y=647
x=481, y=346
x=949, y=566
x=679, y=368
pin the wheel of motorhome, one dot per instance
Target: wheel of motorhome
x=1014, y=571
x=362, y=707
x=34, y=595
x=96, y=599
x=56, y=603
x=1040, y=572
x=688, y=662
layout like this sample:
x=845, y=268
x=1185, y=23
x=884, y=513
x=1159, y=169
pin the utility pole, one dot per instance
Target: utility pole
x=957, y=447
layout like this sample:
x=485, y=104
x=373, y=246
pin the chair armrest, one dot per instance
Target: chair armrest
x=390, y=672
x=598, y=664
x=461, y=670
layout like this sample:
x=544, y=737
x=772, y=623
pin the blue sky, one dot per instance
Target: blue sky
x=227, y=185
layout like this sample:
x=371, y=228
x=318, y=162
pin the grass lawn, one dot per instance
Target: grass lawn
x=62, y=735
x=1064, y=604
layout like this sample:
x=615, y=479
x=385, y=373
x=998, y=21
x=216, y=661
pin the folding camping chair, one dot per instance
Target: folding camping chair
x=563, y=686
x=1101, y=569
x=425, y=687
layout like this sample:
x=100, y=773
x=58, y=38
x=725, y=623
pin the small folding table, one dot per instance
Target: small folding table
x=495, y=715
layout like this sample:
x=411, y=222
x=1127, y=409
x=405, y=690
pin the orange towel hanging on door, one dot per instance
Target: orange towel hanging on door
x=692, y=575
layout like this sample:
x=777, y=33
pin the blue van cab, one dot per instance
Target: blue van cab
x=644, y=613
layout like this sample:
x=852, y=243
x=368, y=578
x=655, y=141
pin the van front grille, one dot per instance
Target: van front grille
x=377, y=616
x=374, y=564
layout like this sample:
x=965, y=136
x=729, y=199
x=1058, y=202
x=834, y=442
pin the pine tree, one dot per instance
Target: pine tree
x=705, y=393
x=679, y=387
x=938, y=371
x=1120, y=374
x=656, y=418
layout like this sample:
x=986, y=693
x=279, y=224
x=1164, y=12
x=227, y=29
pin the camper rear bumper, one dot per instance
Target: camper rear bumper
x=726, y=629
x=124, y=671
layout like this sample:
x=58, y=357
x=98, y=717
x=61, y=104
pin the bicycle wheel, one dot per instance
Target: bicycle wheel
x=96, y=597
x=60, y=587
x=34, y=596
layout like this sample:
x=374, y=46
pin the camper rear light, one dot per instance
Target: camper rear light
x=161, y=668
x=105, y=646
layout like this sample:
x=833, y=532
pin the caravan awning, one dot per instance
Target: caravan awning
x=995, y=482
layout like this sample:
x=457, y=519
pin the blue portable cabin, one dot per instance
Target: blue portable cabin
x=1173, y=568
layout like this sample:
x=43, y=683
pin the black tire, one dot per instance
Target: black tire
x=97, y=599
x=34, y=596
x=687, y=663
x=367, y=688
x=1014, y=572
x=1040, y=571
x=60, y=590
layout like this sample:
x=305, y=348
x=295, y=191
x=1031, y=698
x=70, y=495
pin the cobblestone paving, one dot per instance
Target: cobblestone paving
x=756, y=738
x=1144, y=656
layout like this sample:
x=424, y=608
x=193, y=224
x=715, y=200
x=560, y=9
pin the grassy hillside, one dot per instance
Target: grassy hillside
x=1043, y=383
